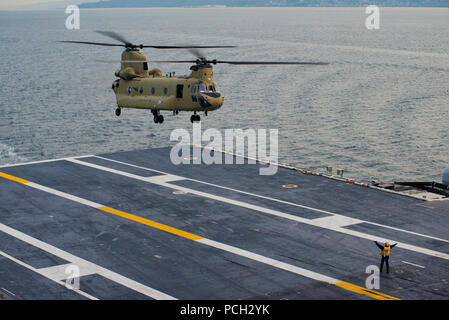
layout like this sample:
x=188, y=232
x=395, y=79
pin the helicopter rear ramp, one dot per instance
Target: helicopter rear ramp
x=132, y=225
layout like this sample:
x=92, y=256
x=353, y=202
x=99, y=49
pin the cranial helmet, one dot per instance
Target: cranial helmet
x=387, y=244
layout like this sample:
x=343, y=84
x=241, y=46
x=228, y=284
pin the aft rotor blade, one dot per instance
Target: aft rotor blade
x=96, y=43
x=186, y=47
x=268, y=62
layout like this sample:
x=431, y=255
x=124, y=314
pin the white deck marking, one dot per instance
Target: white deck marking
x=63, y=195
x=40, y=161
x=91, y=267
x=276, y=200
x=269, y=261
x=164, y=178
x=23, y=264
x=58, y=272
x=328, y=224
x=336, y=221
x=414, y=264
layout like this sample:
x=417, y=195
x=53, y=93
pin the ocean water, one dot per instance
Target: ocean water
x=380, y=110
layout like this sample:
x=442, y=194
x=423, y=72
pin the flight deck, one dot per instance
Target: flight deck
x=132, y=225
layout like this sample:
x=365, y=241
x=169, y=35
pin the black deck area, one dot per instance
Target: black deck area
x=230, y=204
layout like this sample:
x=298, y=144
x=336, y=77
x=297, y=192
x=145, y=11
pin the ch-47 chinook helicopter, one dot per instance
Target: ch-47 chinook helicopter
x=141, y=88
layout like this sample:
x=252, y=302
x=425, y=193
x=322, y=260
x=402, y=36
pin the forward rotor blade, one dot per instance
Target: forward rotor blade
x=114, y=35
x=197, y=53
x=173, y=61
x=96, y=43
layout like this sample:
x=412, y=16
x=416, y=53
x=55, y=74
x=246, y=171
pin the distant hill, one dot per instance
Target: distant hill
x=263, y=3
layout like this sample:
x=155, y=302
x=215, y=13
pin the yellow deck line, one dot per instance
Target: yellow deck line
x=342, y=284
x=150, y=223
x=367, y=292
x=10, y=177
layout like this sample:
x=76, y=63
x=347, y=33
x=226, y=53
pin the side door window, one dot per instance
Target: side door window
x=179, y=90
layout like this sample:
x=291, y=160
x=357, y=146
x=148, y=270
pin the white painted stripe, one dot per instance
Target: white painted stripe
x=413, y=264
x=40, y=161
x=23, y=264
x=58, y=272
x=336, y=221
x=325, y=224
x=7, y=291
x=280, y=201
x=402, y=245
x=163, y=178
x=64, y=195
x=145, y=290
x=123, y=173
x=272, y=262
x=131, y=165
x=406, y=231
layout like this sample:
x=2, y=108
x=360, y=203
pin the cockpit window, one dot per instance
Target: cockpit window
x=215, y=87
x=202, y=87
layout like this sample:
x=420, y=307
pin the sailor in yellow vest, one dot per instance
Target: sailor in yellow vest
x=385, y=254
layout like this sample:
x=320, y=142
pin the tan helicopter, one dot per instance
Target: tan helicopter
x=141, y=88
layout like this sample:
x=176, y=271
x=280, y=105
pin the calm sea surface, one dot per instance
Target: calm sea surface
x=380, y=110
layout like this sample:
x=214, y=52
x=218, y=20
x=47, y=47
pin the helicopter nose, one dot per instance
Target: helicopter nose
x=215, y=99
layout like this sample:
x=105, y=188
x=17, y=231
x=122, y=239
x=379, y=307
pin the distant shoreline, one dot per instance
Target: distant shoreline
x=81, y=6
x=219, y=7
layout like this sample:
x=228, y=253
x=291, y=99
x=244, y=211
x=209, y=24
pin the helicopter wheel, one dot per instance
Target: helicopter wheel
x=118, y=111
x=195, y=118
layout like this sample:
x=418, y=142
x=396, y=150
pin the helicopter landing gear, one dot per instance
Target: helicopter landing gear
x=118, y=112
x=158, y=118
x=195, y=118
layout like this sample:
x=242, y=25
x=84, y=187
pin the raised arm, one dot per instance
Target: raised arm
x=378, y=245
x=393, y=245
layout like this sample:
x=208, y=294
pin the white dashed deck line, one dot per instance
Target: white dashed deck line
x=63, y=195
x=414, y=264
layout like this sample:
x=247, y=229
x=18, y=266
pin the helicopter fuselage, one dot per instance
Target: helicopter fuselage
x=141, y=88
x=168, y=93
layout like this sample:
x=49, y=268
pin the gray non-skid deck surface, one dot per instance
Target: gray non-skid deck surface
x=186, y=269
